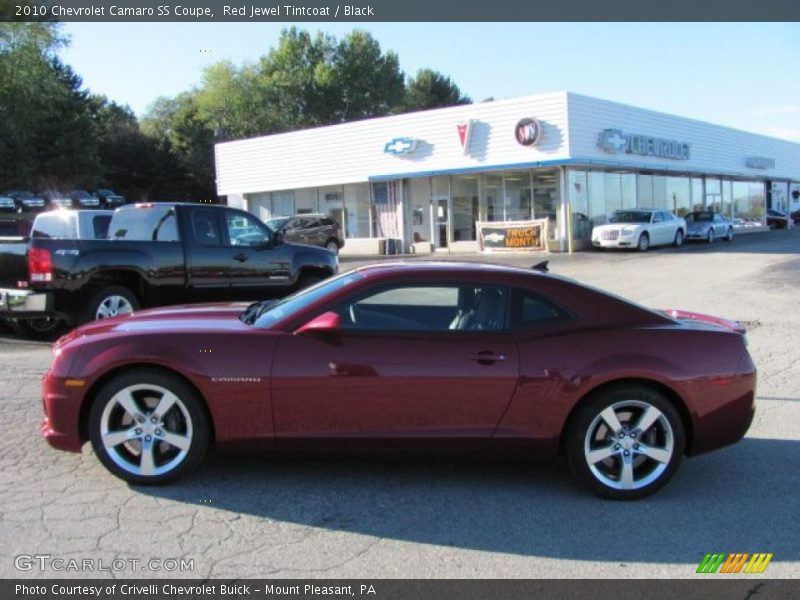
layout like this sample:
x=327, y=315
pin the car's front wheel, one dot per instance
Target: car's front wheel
x=710, y=236
x=678, y=241
x=149, y=427
x=729, y=235
x=626, y=442
x=644, y=242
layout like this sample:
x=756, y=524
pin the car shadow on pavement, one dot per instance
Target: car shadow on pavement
x=739, y=499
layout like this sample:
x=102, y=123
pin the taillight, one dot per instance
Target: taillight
x=40, y=265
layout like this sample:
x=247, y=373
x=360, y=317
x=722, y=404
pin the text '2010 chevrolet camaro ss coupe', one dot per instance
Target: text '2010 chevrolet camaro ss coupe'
x=434, y=356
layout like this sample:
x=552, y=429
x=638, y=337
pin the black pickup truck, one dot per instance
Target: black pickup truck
x=156, y=254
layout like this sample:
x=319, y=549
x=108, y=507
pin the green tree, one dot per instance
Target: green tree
x=431, y=89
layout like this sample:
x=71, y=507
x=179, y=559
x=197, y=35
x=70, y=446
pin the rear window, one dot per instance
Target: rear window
x=63, y=226
x=156, y=224
x=529, y=310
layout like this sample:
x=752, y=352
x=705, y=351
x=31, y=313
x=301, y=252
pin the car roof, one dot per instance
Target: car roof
x=443, y=266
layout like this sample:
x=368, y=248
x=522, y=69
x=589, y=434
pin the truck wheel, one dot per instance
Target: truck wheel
x=308, y=279
x=110, y=302
x=46, y=328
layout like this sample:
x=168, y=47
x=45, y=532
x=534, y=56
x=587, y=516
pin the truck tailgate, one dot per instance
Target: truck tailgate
x=13, y=261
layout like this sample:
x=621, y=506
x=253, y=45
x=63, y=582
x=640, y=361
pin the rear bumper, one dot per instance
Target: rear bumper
x=23, y=303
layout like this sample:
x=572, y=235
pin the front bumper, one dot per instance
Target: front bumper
x=62, y=405
x=620, y=242
x=22, y=303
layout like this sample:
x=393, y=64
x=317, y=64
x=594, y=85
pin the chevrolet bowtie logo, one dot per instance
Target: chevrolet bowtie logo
x=612, y=139
x=400, y=146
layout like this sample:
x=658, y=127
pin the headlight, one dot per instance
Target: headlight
x=627, y=231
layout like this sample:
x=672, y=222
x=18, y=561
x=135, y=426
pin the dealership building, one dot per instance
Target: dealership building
x=430, y=180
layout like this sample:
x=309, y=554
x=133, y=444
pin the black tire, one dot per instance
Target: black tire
x=105, y=408
x=643, y=245
x=678, y=241
x=46, y=328
x=710, y=236
x=104, y=297
x=664, y=437
x=729, y=236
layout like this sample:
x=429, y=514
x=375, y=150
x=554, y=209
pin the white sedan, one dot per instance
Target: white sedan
x=640, y=228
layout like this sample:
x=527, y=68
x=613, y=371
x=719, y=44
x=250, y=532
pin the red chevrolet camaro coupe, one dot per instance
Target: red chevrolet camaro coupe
x=438, y=356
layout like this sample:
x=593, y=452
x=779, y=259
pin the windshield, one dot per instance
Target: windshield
x=700, y=217
x=302, y=299
x=275, y=224
x=630, y=216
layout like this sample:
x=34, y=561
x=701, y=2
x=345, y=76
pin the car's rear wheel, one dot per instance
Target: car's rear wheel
x=46, y=328
x=729, y=236
x=110, y=302
x=149, y=427
x=644, y=242
x=678, y=241
x=710, y=236
x=626, y=442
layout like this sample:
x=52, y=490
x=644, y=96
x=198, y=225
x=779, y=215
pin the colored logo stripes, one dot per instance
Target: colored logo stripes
x=735, y=563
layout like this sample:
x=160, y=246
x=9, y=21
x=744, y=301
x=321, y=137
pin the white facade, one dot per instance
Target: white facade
x=432, y=189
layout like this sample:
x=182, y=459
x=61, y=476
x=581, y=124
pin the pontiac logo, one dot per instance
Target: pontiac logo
x=616, y=141
x=464, y=134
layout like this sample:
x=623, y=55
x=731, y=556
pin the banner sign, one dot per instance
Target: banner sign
x=513, y=235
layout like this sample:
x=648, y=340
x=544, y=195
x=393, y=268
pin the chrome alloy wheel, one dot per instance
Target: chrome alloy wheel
x=113, y=306
x=629, y=445
x=146, y=430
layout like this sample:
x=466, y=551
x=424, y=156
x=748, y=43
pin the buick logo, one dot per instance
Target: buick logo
x=528, y=131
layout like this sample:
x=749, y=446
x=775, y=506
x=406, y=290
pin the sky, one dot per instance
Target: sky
x=743, y=75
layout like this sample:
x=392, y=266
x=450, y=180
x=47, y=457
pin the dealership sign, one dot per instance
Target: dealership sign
x=401, y=146
x=464, y=134
x=616, y=141
x=759, y=162
x=513, y=235
x=528, y=132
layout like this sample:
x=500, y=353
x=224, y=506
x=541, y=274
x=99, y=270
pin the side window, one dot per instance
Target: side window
x=205, y=228
x=529, y=310
x=428, y=308
x=167, y=229
x=657, y=217
x=244, y=230
x=100, y=225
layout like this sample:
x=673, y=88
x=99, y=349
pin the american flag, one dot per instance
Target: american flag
x=387, y=222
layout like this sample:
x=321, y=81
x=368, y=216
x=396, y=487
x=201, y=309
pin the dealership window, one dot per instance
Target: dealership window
x=613, y=192
x=305, y=201
x=628, y=181
x=727, y=199
x=660, y=199
x=356, y=202
x=757, y=201
x=494, y=198
x=518, y=195
x=678, y=191
x=331, y=203
x=596, y=187
x=698, y=197
x=713, y=194
x=579, y=201
x=465, y=207
x=546, y=199
x=283, y=204
x=644, y=191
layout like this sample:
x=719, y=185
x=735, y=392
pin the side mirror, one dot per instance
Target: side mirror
x=325, y=324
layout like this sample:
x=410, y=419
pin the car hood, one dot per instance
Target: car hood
x=181, y=319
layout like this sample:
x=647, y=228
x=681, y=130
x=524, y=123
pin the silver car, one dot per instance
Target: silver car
x=708, y=226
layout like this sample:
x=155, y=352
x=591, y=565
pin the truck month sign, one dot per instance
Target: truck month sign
x=513, y=235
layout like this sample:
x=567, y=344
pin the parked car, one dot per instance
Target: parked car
x=7, y=204
x=56, y=199
x=83, y=199
x=156, y=254
x=25, y=201
x=396, y=356
x=109, y=199
x=640, y=228
x=313, y=229
x=777, y=219
x=708, y=226
x=795, y=216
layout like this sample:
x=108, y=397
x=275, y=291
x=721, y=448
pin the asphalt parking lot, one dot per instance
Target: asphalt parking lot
x=399, y=517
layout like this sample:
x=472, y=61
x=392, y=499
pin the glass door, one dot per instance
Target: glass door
x=441, y=220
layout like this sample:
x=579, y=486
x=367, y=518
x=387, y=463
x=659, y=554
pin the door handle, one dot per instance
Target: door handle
x=241, y=257
x=487, y=357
